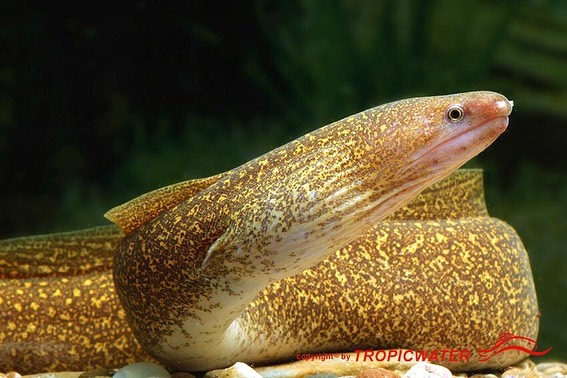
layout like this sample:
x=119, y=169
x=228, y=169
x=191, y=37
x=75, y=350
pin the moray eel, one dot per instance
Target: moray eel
x=291, y=253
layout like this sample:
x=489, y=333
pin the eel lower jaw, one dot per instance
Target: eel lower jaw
x=456, y=150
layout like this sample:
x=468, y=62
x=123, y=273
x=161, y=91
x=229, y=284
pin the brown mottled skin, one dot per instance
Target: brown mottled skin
x=199, y=269
x=439, y=273
x=59, y=310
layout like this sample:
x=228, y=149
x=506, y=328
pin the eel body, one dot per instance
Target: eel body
x=58, y=307
x=187, y=273
x=292, y=252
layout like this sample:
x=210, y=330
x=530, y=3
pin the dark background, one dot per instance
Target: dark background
x=100, y=103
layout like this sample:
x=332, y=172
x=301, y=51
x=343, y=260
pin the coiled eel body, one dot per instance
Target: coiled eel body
x=291, y=253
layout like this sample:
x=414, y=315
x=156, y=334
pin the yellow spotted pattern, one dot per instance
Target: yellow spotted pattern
x=439, y=272
x=440, y=265
x=59, y=310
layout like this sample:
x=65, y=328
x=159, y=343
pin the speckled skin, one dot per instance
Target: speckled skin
x=193, y=269
x=439, y=274
x=57, y=346
x=188, y=277
x=59, y=311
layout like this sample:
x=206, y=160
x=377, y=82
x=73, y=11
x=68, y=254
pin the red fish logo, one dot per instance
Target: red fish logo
x=503, y=344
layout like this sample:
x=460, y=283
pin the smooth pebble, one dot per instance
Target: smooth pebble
x=142, y=370
x=427, y=370
x=377, y=373
x=239, y=370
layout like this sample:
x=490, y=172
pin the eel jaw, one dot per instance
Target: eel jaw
x=460, y=148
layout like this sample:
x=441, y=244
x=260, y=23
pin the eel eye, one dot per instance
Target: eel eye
x=455, y=113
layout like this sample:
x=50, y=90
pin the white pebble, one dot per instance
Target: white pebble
x=427, y=370
x=142, y=370
x=239, y=370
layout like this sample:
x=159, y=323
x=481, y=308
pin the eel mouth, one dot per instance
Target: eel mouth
x=458, y=148
x=467, y=144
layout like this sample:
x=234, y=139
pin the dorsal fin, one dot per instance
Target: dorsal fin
x=134, y=213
